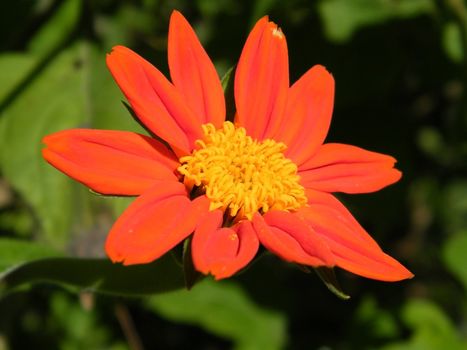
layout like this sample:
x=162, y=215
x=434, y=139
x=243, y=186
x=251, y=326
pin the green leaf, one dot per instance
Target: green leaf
x=342, y=18
x=328, y=277
x=222, y=308
x=14, y=252
x=209, y=8
x=192, y=276
x=377, y=321
x=104, y=98
x=14, y=67
x=49, y=103
x=430, y=141
x=74, y=89
x=78, y=326
x=228, y=86
x=57, y=29
x=432, y=330
x=98, y=275
x=261, y=8
x=454, y=206
x=226, y=80
x=455, y=257
x=452, y=41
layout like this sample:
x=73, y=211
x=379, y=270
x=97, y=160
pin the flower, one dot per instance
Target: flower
x=265, y=178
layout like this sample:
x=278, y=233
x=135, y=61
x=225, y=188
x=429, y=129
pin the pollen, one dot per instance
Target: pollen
x=240, y=175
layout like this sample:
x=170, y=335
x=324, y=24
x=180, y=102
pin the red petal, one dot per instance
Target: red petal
x=223, y=251
x=156, y=102
x=345, y=168
x=291, y=238
x=110, y=162
x=352, y=247
x=308, y=114
x=262, y=80
x=193, y=73
x=153, y=224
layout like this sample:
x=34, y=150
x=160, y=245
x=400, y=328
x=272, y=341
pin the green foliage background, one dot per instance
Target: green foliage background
x=400, y=68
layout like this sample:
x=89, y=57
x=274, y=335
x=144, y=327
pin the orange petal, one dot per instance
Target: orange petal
x=262, y=80
x=110, y=162
x=153, y=224
x=353, y=248
x=156, y=102
x=345, y=168
x=291, y=238
x=308, y=114
x=193, y=73
x=223, y=251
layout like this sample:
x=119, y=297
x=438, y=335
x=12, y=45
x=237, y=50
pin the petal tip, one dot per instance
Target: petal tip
x=323, y=74
x=176, y=15
x=115, y=49
x=114, y=256
x=398, y=175
x=277, y=32
x=405, y=274
x=46, y=139
x=263, y=20
x=45, y=153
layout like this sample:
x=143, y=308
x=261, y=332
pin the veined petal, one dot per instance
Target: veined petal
x=110, y=162
x=154, y=223
x=308, y=114
x=156, y=102
x=262, y=80
x=292, y=239
x=345, y=168
x=193, y=73
x=223, y=251
x=353, y=248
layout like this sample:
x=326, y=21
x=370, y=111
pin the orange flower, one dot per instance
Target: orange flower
x=265, y=178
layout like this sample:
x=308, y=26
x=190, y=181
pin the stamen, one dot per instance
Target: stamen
x=240, y=175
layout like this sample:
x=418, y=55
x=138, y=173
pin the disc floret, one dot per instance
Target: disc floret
x=241, y=175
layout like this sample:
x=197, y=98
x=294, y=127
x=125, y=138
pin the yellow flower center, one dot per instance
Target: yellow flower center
x=240, y=175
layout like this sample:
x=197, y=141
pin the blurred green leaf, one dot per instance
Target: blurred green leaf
x=455, y=256
x=225, y=310
x=74, y=90
x=424, y=196
x=20, y=222
x=452, y=41
x=3, y=344
x=342, y=18
x=261, y=8
x=80, y=328
x=49, y=103
x=14, y=67
x=432, y=330
x=211, y=8
x=57, y=29
x=14, y=252
x=374, y=319
x=430, y=141
x=454, y=206
x=98, y=275
x=104, y=99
